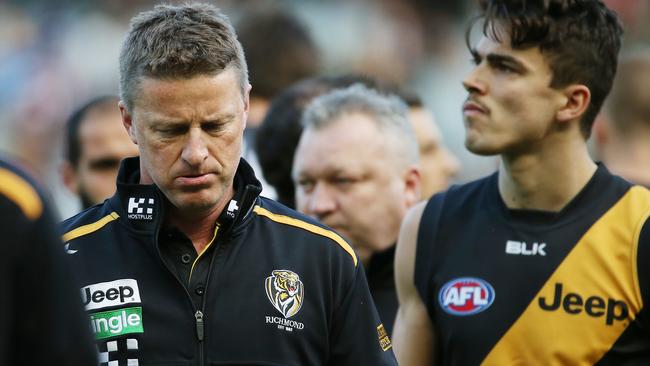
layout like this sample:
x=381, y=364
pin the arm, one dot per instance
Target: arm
x=358, y=336
x=413, y=334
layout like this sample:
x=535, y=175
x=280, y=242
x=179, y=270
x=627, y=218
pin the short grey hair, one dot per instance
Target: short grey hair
x=389, y=113
x=178, y=42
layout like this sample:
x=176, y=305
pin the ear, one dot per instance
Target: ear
x=127, y=120
x=69, y=176
x=412, y=185
x=247, y=103
x=575, y=102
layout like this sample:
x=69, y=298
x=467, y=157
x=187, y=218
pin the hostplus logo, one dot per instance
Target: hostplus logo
x=140, y=208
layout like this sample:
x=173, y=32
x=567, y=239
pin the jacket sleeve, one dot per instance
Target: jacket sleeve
x=358, y=337
x=52, y=327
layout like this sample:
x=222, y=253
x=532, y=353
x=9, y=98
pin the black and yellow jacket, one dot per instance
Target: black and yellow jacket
x=526, y=287
x=41, y=318
x=277, y=288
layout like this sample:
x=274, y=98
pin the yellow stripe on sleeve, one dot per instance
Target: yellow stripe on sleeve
x=307, y=226
x=87, y=229
x=21, y=193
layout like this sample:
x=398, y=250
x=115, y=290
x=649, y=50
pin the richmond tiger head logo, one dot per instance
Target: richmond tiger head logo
x=285, y=291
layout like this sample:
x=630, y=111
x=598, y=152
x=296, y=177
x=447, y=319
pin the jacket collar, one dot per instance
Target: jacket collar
x=142, y=206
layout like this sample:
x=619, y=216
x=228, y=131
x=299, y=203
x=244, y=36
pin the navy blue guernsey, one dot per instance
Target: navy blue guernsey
x=509, y=287
x=273, y=287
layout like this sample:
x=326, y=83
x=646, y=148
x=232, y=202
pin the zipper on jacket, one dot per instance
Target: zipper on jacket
x=199, y=325
x=198, y=315
x=200, y=321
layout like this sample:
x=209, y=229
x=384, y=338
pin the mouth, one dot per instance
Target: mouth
x=194, y=180
x=471, y=108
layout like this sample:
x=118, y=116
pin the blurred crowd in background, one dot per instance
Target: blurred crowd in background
x=57, y=55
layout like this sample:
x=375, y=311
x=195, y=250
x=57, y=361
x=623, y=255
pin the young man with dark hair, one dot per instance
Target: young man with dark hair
x=545, y=261
x=186, y=264
x=96, y=143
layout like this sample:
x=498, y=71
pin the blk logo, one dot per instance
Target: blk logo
x=521, y=248
x=140, y=208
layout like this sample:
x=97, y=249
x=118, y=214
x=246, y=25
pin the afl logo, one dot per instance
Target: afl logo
x=466, y=296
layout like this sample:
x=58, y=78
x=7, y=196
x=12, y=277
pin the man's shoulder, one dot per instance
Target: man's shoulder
x=88, y=221
x=302, y=232
x=19, y=193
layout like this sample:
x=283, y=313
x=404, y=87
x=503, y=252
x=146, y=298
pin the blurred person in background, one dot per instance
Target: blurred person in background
x=544, y=261
x=279, y=51
x=96, y=144
x=281, y=129
x=622, y=134
x=356, y=170
x=186, y=263
x=41, y=317
x=438, y=165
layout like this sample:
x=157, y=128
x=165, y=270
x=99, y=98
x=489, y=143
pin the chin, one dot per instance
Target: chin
x=199, y=203
x=482, y=149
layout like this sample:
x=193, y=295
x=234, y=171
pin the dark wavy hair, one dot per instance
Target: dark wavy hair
x=580, y=40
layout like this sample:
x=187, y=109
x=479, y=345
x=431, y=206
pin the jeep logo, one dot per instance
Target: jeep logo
x=105, y=294
x=594, y=306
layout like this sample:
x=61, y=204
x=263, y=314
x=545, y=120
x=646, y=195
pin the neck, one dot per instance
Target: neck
x=547, y=179
x=198, y=226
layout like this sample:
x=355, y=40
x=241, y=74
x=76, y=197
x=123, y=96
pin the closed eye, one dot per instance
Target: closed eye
x=306, y=185
x=172, y=131
x=212, y=127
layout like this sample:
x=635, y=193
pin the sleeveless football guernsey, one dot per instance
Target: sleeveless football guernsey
x=522, y=287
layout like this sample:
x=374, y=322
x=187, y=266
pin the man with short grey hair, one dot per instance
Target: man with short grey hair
x=187, y=264
x=356, y=170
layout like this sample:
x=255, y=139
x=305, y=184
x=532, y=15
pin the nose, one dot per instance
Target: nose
x=473, y=83
x=195, y=150
x=320, y=202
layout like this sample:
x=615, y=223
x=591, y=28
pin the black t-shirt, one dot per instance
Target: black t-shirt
x=381, y=280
